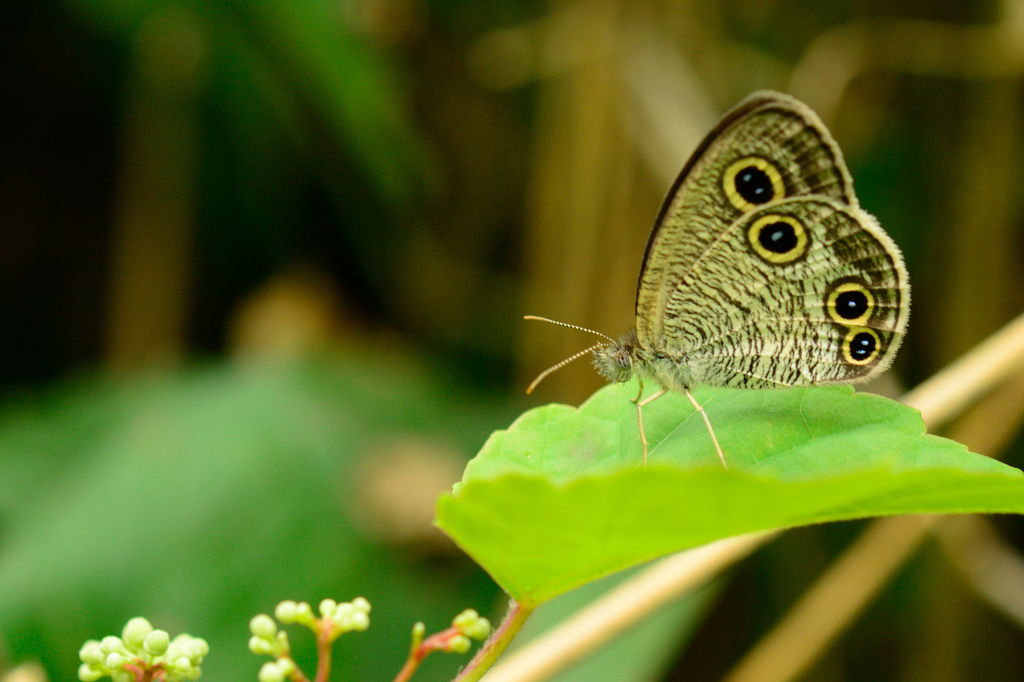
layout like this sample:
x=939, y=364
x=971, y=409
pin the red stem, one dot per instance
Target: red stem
x=436, y=642
x=135, y=670
x=144, y=673
x=323, y=650
x=409, y=668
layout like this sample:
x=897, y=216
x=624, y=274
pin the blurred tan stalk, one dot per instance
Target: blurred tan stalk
x=155, y=202
x=911, y=46
x=992, y=567
x=980, y=260
x=26, y=672
x=581, y=176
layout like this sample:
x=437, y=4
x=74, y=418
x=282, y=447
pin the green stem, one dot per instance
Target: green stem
x=496, y=643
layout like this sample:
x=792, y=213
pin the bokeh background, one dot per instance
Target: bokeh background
x=263, y=266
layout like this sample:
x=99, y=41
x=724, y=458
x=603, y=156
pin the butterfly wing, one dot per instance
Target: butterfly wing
x=802, y=291
x=768, y=148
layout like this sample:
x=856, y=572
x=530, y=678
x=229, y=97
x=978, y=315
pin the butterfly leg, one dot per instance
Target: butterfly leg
x=707, y=422
x=640, y=415
x=640, y=394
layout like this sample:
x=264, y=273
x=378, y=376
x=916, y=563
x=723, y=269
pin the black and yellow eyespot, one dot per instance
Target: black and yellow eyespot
x=778, y=239
x=850, y=303
x=861, y=346
x=751, y=182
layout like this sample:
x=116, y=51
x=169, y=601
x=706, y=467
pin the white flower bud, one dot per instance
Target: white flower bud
x=286, y=612
x=481, y=630
x=157, y=642
x=263, y=626
x=459, y=644
x=135, y=632
x=418, y=630
x=359, y=621
x=111, y=644
x=182, y=664
x=304, y=614
x=195, y=649
x=361, y=604
x=260, y=647
x=286, y=665
x=342, y=613
x=327, y=607
x=470, y=623
x=270, y=672
x=91, y=652
x=87, y=673
x=201, y=649
x=467, y=616
x=114, y=660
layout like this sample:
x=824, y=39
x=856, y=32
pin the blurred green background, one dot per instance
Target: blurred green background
x=263, y=266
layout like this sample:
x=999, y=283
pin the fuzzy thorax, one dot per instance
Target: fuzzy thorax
x=625, y=358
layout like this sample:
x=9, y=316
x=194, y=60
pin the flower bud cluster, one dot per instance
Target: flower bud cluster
x=276, y=671
x=345, y=617
x=335, y=620
x=141, y=648
x=289, y=612
x=470, y=625
x=266, y=638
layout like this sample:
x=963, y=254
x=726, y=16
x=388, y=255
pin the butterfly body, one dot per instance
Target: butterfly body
x=625, y=358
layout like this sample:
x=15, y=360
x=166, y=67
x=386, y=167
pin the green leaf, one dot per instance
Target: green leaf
x=561, y=497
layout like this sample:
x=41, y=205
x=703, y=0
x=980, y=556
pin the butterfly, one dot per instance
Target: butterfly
x=761, y=270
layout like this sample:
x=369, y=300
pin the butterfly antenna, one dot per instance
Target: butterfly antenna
x=566, y=324
x=563, y=363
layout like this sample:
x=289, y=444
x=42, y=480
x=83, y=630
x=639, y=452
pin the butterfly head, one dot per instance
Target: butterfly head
x=615, y=361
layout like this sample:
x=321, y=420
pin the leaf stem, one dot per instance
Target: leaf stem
x=496, y=644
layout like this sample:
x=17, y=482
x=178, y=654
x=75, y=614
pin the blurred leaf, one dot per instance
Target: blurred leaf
x=559, y=499
x=202, y=498
x=116, y=17
x=353, y=87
